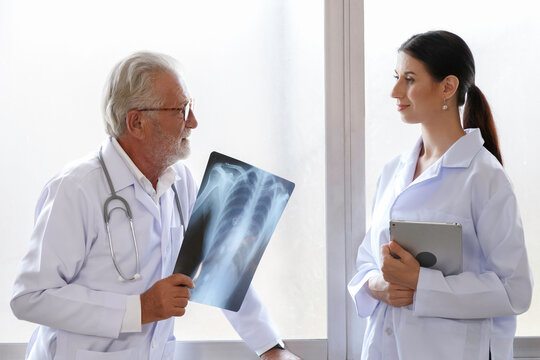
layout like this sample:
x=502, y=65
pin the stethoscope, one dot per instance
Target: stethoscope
x=127, y=211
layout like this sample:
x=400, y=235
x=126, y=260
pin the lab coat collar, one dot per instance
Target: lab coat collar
x=165, y=180
x=459, y=155
x=122, y=178
x=463, y=150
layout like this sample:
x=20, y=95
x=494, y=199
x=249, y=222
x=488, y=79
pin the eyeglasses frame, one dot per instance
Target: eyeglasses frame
x=189, y=106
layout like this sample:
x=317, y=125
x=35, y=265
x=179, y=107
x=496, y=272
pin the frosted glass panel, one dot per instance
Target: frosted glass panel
x=256, y=69
x=503, y=36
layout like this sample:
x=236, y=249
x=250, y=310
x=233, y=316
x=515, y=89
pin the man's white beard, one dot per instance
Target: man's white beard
x=181, y=148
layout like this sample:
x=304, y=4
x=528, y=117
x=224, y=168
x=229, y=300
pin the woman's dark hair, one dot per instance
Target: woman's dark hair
x=443, y=54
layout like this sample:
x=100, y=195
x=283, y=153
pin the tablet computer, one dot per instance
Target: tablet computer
x=435, y=245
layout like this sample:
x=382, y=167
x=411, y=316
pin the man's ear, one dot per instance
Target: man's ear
x=134, y=124
x=450, y=86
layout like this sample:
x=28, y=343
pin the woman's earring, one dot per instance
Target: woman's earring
x=444, y=107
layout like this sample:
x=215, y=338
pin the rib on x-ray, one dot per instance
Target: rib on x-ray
x=236, y=212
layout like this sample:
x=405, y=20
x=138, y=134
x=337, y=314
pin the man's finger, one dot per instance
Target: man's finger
x=181, y=292
x=180, y=303
x=181, y=279
x=178, y=312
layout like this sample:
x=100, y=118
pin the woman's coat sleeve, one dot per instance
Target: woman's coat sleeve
x=366, y=267
x=505, y=285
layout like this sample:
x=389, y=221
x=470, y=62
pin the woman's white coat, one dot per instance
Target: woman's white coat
x=453, y=317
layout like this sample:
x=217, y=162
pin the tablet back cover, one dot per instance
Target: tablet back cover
x=435, y=245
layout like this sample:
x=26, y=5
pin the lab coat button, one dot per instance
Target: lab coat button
x=153, y=344
x=388, y=331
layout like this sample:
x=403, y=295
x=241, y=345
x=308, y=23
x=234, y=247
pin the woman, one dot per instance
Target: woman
x=453, y=174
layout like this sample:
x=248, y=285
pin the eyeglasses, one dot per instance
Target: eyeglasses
x=185, y=109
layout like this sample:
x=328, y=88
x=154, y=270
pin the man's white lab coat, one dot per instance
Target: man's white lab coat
x=67, y=281
x=452, y=317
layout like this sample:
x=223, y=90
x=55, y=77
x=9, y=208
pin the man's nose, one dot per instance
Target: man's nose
x=191, y=122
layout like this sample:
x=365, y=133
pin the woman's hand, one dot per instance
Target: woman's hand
x=392, y=294
x=403, y=271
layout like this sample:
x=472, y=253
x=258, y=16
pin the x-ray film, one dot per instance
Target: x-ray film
x=235, y=214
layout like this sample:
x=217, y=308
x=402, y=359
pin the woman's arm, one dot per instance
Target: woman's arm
x=504, y=287
x=392, y=294
x=367, y=267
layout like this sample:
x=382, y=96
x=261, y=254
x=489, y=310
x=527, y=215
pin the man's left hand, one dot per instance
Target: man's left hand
x=279, y=354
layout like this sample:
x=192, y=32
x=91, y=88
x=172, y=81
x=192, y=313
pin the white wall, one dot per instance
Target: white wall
x=256, y=71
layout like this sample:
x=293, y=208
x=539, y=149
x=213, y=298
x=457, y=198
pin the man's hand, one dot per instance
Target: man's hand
x=392, y=294
x=166, y=298
x=279, y=354
x=403, y=271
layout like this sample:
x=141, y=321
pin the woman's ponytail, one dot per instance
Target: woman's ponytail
x=477, y=114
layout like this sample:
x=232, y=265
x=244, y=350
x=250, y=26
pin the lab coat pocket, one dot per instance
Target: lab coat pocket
x=168, y=352
x=430, y=337
x=128, y=354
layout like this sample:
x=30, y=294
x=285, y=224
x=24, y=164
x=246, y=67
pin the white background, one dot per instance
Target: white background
x=258, y=61
x=256, y=71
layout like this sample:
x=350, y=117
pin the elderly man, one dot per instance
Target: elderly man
x=108, y=230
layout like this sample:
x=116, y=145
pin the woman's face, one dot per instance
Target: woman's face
x=419, y=97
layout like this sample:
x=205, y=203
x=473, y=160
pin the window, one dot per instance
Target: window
x=506, y=72
x=256, y=69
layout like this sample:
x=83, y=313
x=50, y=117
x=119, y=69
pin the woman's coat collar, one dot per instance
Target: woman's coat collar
x=459, y=155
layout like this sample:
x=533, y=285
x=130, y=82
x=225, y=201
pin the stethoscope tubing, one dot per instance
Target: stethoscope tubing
x=127, y=211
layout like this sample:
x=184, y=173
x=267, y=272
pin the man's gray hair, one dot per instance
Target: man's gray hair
x=130, y=86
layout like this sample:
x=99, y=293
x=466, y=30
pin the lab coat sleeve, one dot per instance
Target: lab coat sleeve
x=43, y=291
x=503, y=288
x=253, y=323
x=131, y=322
x=366, y=267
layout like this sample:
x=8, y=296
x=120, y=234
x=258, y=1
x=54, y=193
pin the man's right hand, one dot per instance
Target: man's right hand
x=392, y=294
x=166, y=298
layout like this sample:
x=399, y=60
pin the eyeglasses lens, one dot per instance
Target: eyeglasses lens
x=187, y=109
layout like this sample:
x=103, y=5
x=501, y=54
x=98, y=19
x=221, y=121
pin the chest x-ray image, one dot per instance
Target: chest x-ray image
x=235, y=214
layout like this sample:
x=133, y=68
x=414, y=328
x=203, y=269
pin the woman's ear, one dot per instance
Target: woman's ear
x=134, y=124
x=450, y=86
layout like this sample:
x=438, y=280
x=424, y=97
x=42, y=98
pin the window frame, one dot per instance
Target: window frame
x=345, y=201
x=345, y=169
x=345, y=175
